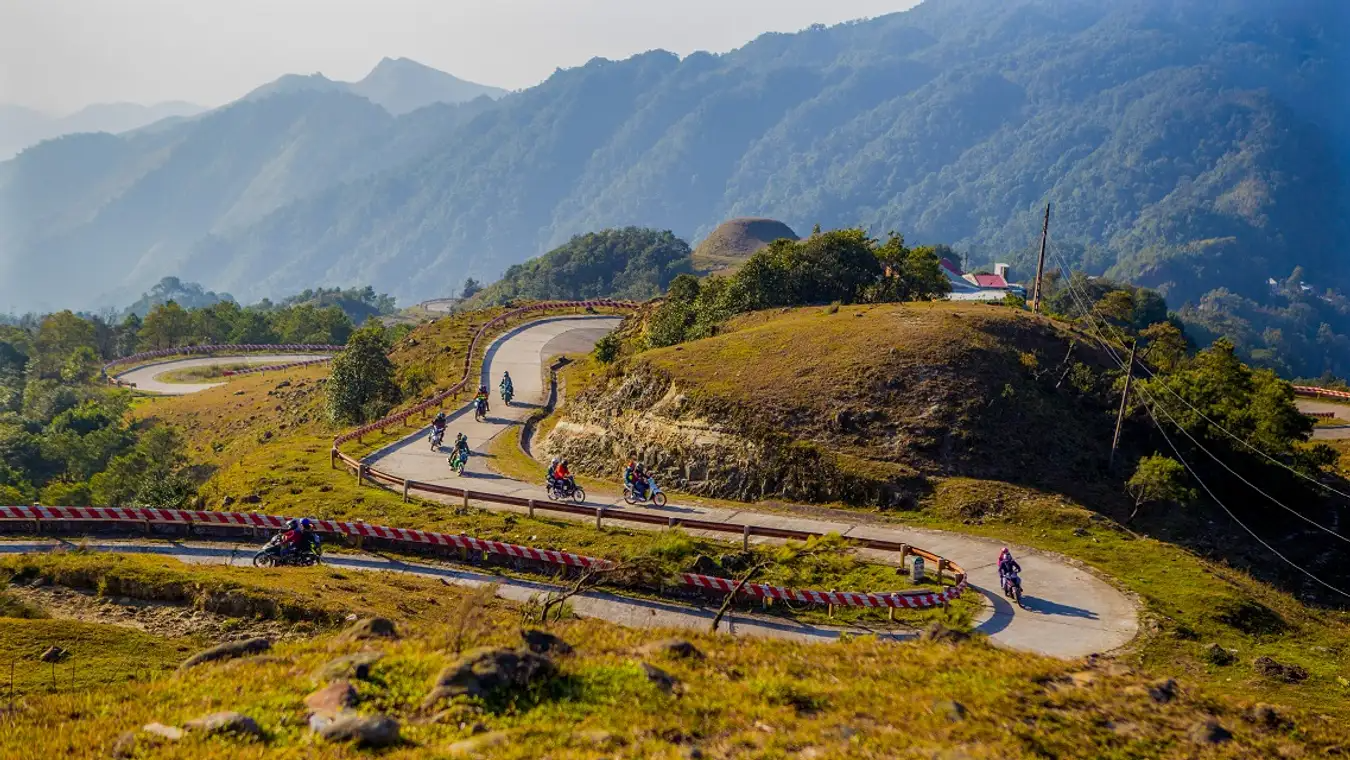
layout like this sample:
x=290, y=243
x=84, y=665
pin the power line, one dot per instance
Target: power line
x=1150, y=400
x=1205, y=417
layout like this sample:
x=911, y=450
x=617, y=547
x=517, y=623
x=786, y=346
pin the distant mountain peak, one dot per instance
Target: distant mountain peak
x=399, y=85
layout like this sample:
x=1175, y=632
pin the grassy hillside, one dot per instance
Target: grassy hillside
x=738, y=698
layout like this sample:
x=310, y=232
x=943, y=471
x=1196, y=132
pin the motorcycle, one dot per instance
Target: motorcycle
x=436, y=437
x=458, y=462
x=274, y=555
x=508, y=393
x=1012, y=588
x=563, y=490
x=653, y=495
x=480, y=408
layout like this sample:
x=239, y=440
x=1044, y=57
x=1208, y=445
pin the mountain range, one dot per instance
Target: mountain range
x=21, y=127
x=1185, y=144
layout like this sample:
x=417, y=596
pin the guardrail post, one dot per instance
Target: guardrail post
x=599, y=516
x=745, y=538
x=891, y=613
x=670, y=523
x=332, y=458
x=942, y=565
x=405, y=490
x=830, y=608
x=360, y=470
x=466, y=497
x=531, y=508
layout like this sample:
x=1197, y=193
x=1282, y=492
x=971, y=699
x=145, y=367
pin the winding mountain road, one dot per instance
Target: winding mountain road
x=1070, y=612
x=146, y=377
x=1339, y=430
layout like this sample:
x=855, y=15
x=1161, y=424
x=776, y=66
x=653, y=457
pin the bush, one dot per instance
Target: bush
x=361, y=386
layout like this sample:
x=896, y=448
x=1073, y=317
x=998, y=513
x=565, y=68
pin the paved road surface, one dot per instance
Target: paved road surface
x=1342, y=412
x=144, y=377
x=635, y=613
x=1070, y=612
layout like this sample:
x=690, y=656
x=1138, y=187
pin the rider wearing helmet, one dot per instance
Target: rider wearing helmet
x=1007, y=566
x=482, y=398
x=563, y=476
x=461, y=447
x=292, y=539
x=309, y=537
x=640, y=481
x=548, y=476
x=506, y=387
x=438, y=427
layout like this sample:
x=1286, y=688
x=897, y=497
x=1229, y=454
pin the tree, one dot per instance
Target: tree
x=1158, y=479
x=471, y=288
x=127, y=335
x=361, y=386
x=81, y=366
x=58, y=336
x=166, y=326
x=1165, y=346
x=252, y=327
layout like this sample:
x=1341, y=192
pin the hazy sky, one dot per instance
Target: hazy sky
x=58, y=55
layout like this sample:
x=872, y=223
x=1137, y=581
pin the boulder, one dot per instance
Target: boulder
x=1279, y=671
x=363, y=730
x=938, y=632
x=370, y=628
x=677, y=648
x=1265, y=716
x=1209, y=732
x=1164, y=691
x=221, y=723
x=228, y=651
x=663, y=680
x=543, y=642
x=162, y=732
x=332, y=699
x=950, y=709
x=53, y=654
x=1217, y=655
x=355, y=666
x=485, y=670
x=476, y=744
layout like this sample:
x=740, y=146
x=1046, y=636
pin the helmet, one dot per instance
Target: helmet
x=440, y=415
x=293, y=524
x=564, y=463
x=307, y=524
x=555, y=460
x=505, y=373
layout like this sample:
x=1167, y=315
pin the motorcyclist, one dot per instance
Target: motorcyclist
x=507, y=388
x=461, y=448
x=482, y=398
x=438, y=427
x=309, y=538
x=548, y=476
x=640, y=481
x=292, y=538
x=1008, y=569
x=628, y=471
x=562, y=476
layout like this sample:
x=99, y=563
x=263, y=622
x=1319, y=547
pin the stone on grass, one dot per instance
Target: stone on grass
x=370, y=628
x=161, y=731
x=950, y=709
x=1265, y=716
x=543, y=642
x=486, y=670
x=678, y=648
x=1279, y=671
x=476, y=744
x=938, y=632
x=228, y=651
x=1209, y=732
x=1217, y=655
x=351, y=666
x=220, y=723
x=663, y=680
x=363, y=730
x=53, y=654
x=332, y=699
x=1164, y=691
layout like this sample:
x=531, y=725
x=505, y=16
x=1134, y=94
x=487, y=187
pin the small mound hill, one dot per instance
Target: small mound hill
x=870, y=401
x=728, y=246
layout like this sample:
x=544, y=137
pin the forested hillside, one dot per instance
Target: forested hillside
x=1187, y=145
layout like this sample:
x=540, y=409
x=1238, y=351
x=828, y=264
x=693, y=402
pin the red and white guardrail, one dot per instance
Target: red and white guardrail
x=1310, y=390
x=146, y=515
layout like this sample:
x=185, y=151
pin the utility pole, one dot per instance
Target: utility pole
x=1124, y=400
x=1040, y=264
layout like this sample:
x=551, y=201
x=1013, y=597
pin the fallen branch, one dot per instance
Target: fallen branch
x=731, y=597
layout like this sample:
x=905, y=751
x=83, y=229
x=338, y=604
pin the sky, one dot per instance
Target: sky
x=60, y=55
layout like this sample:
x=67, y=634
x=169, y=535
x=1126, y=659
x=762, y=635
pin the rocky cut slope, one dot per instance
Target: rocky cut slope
x=852, y=404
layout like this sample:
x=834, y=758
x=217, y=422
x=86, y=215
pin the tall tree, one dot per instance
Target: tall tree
x=361, y=386
x=166, y=326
